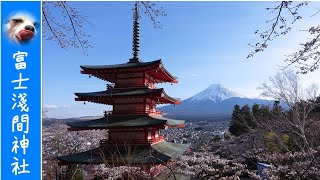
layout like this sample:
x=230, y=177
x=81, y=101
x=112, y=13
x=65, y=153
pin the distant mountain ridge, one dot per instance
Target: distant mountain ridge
x=212, y=101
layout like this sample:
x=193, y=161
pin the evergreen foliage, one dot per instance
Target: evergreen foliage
x=238, y=125
x=245, y=118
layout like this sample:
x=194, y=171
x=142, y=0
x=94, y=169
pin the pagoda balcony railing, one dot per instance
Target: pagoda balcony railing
x=153, y=111
x=138, y=111
x=126, y=85
x=150, y=85
x=155, y=140
x=131, y=141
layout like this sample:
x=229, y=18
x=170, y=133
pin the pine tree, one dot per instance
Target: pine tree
x=248, y=119
x=237, y=127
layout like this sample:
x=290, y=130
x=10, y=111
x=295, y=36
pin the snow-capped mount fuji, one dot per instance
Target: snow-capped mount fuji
x=214, y=100
x=215, y=93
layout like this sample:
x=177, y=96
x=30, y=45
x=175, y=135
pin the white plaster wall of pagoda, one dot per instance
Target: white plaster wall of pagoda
x=156, y=134
x=149, y=135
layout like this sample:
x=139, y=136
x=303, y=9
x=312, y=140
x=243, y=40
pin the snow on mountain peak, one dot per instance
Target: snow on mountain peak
x=215, y=93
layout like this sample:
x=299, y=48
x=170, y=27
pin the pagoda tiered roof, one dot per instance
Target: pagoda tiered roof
x=124, y=121
x=109, y=72
x=108, y=96
x=157, y=153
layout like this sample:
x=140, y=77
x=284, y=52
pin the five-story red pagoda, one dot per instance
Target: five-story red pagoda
x=134, y=124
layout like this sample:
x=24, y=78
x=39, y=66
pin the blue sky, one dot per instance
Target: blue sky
x=201, y=42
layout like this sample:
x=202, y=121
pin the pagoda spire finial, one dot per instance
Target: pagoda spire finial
x=136, y=35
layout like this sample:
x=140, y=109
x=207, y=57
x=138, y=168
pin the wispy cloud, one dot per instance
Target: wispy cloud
x=55, y=106
x=195, y=75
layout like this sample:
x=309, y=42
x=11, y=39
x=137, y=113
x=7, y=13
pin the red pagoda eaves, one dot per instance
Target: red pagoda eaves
x=150, y=72
x=114, y=96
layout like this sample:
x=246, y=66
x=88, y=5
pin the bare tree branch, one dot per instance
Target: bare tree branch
x=286, y=13
x=151, y=10
x=65, y=25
